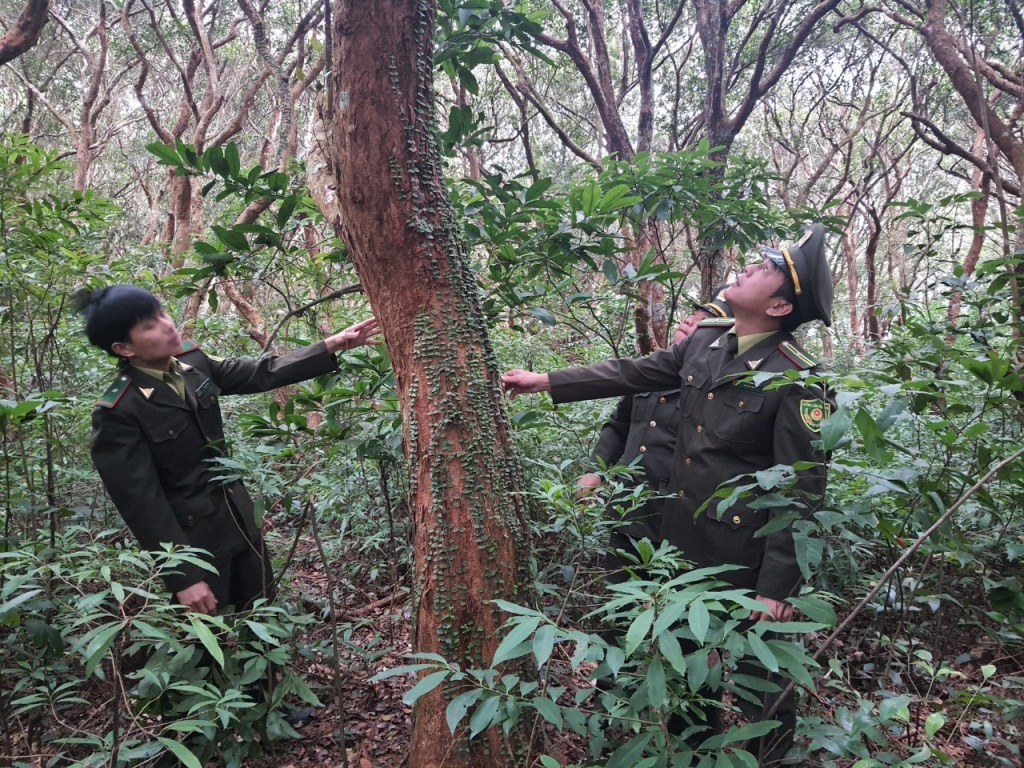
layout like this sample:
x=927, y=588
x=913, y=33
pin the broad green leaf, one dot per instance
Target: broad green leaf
x=458, y=707
x=763, y=653
x=207, y=638
x=629, y=754
x=699, y=620
x=483, y=717
x=180, y=751
x=933, y=724
x=510, y=644
x=549, y=710
x=543, y=643
x=99, y=644
x=638, y=630
x=425, y=686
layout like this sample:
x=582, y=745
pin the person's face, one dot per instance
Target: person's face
x=756, y=289
x=689, y=324
x=151, y=342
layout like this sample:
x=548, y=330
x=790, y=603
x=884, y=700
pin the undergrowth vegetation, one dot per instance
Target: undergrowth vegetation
x=908, y=644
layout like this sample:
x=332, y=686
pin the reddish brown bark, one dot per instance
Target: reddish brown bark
x=24, y=33
x=392, y=210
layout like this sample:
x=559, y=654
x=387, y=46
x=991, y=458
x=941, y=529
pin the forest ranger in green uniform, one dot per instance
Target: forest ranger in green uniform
x=158, y=426
x=643, y=426
x=730, y=426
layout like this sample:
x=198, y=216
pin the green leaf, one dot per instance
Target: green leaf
x=180, y=751
x=549, y=710
x=834, y=429
x=629, y=754
x=763, y=653
x=543, y=315
x=207, y=638
x=510, y=647
x=99, y=644
x=638, y=630
x=14, y=602
x=657, y=689
x=933, y=724
x=699, y=620
x=166, y=155
x=483, y=717
x=425, y=686
x=543, y=643
x=669, y=646
x=285, y=211
x=231, y=155
x=458, y=707
x=611, y=271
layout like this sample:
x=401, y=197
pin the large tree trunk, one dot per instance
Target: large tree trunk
x=394, y=214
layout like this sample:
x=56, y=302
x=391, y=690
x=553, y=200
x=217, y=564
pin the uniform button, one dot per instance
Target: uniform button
x=643, y=449
x=739, y=404
x=661, y=399
x=711, y=395
x=736, y=520
x=190, y=519
x=700, y=430
x=682, y=494
x=652, y=423
x=690, y=377
x=688, y=461
x=170, y=432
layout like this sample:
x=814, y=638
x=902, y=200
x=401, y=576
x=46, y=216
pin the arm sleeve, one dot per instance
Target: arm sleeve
x=611, y=441
x=780, y=576
x=125, y=465
x=243, y=375
x=625, y=376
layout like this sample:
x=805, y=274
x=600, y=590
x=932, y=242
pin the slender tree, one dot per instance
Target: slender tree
x=385, y=194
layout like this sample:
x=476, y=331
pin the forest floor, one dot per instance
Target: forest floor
x=365, y=724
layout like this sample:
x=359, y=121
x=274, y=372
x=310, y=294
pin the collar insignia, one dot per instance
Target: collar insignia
x=185, y=366
x=147, y=392
x=754, y=364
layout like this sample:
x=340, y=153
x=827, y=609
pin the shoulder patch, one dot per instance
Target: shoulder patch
x=797, y=355
x=188, y=346
x=113, y=394
x=717, y=322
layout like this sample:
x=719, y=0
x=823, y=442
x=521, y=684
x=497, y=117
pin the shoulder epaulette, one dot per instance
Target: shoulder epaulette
x=113, y=394
x=188, y=346
x=797, y=355
x=716, y=322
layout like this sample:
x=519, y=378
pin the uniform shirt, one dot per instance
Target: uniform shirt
x=643, y=429
x=154, y=451
x=728, y=426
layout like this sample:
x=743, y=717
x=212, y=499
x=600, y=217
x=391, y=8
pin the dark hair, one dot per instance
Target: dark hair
x=110, y=313
x=787, y=292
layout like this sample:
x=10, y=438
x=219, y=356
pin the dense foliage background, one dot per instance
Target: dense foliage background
x=607, y=160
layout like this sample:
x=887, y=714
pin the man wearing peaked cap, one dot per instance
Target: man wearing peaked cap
x=812, y=282
x=732, y=424
x=642, y=430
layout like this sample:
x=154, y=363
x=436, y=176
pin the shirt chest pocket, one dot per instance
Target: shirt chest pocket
x=739, y=415
x=174, y=439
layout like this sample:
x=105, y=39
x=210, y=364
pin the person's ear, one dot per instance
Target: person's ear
x=779, y=308
x=122, y=349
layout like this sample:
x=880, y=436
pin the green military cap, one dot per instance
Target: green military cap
x=718, y=306
x=804, y=261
